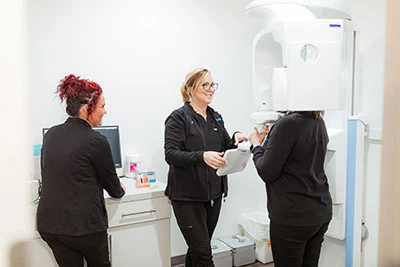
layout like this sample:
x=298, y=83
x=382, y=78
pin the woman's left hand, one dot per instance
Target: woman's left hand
x=239, y=137
x=214, y=159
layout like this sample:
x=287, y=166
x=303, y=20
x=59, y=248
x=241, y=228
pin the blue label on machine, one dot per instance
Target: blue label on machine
x=334, y=26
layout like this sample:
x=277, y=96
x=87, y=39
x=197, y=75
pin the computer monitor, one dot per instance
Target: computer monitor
x=112, y=134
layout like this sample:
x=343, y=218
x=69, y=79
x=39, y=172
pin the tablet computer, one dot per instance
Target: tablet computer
x=236, y=161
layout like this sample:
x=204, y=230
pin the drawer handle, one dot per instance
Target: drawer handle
x=137, y=213
x=110, y=247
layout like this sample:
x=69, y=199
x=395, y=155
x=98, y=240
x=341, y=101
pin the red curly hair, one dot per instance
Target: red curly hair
x=77, y=92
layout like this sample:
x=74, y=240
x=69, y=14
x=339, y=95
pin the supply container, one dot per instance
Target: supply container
x=255, y=226
x=243, y=249
x=150, y=174
x=222, y=254
x=133, y=163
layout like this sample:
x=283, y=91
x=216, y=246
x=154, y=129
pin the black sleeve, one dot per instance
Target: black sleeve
x=105, y=169
x=271, y=157
x=229, y=141
x=174, y=143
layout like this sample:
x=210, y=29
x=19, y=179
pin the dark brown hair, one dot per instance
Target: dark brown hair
x=318, y=114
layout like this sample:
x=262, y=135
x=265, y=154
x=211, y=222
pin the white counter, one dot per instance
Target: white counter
x=132, y=193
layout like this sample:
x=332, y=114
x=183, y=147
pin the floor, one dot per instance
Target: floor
x=256, y=264
x=259, y=264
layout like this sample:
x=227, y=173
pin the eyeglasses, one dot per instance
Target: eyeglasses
x=207, y=87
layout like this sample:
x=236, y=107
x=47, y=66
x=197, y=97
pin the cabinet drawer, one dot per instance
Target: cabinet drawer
x=138, y=211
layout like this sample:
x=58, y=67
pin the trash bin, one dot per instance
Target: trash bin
x=255, y=226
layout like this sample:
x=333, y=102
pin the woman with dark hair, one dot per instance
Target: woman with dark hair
x=195, y=142
x=291, y=163
x=77, y=166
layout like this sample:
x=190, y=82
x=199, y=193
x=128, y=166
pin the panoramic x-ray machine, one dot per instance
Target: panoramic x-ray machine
x=305, y=59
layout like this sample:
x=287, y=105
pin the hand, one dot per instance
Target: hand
x=214, y=159
x=257, y=138
x=123, y=186
x=239, y=137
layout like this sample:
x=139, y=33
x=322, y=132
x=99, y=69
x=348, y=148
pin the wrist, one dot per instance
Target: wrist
x=253, y=146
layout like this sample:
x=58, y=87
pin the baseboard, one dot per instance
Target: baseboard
x=178, y=261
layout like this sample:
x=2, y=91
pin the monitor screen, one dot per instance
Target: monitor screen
x=112, y=134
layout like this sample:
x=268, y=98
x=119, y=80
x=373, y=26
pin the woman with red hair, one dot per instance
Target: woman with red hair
x=77, y=166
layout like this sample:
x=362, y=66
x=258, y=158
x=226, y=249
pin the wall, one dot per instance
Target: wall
x=15, y=220
x=139, y=52
x=389, y=218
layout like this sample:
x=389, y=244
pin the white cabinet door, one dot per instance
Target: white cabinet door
x=40, y=254
x=144, y=244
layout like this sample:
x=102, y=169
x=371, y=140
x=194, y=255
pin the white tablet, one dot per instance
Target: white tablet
x=236, y=161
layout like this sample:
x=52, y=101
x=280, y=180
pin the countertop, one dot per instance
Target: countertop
x=132, y=193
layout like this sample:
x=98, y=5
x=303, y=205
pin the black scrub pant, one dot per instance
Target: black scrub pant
x=296, y=246
x=69, y=251
x=197, y=222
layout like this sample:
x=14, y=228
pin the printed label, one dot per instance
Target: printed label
x=132, y=166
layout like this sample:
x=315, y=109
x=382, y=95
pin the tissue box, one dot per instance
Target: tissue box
x=222, y=254
x=243, y=249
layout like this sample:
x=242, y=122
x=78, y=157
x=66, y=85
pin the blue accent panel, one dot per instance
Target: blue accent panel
x=37, y=149
x=351, y=184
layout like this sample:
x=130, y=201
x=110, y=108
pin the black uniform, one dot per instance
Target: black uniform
x=193, y=187
x=291, y=163
x=76, y=166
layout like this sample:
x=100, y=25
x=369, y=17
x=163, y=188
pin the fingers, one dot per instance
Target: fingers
x=240, y=137
x=256, y=138
x=123, y=186
x=265, y=130
x=214, y=159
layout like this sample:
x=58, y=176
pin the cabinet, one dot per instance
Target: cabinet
x=142, y=244
x=139, y=233
x=40, y=254
x=139, y=230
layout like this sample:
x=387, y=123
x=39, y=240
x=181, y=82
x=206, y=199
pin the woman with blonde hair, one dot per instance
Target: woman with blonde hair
x=195, y=142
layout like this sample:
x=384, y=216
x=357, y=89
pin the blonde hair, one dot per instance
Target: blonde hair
x=193, y=80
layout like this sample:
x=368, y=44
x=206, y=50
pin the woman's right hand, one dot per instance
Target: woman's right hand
x=123, y=186
x=214, y=159
x=257, y=138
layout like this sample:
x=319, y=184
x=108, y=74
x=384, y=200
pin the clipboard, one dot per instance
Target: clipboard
x=236, y=161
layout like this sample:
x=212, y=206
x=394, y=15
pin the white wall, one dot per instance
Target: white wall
x=15, y=220
x=139, y=52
